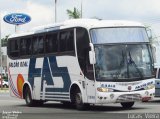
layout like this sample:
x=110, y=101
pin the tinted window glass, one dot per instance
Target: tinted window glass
x=51, y=43
x=26, y=46
x=66, y=41
x=70, y=41
x=38, y=45
x=14, y=48
x=83, y=48
x=62, y=41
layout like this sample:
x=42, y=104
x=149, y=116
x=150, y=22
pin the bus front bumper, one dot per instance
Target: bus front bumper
x=118, y=97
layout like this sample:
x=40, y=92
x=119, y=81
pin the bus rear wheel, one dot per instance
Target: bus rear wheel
x=28, y=97
x=127, y=104
x=29, y=101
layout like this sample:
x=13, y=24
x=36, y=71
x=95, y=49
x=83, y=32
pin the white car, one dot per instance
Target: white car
x=5, y=84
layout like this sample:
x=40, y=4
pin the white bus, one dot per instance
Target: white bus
x=83, y=61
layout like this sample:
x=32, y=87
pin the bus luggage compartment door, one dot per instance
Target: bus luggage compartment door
x=157, y=84
x=90, y=85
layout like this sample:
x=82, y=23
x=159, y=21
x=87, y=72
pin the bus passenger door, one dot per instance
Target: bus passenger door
x=83, y=48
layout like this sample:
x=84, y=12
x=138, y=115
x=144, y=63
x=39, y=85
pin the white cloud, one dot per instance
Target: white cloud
x=40, y=14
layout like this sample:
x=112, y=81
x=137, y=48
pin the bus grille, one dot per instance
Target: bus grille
x=129, y=98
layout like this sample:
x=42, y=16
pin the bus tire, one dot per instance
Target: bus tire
x=127, y=105
x=78, y=101
x=29, y=101
x=28, y=97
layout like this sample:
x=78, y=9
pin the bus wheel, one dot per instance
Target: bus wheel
x=78, y=101
x=127, y=104
x=29, y=101
x=28, y=97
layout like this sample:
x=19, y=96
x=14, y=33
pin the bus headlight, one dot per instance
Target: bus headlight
x=100, y=89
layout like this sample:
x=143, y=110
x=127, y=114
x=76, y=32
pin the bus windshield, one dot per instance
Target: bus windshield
x=128, y=61
x=123, y=62
x=122, y=53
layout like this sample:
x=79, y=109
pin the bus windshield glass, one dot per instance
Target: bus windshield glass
x=119, y=35
x=122, y=53
x=123, y=62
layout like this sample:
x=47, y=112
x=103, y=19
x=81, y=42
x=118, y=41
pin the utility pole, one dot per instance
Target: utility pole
x=17, y=28
x=55, y=11
x=81, y=8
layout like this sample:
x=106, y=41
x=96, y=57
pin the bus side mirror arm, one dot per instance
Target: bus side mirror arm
x=92, y=58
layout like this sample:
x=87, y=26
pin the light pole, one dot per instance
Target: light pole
x=81, y=8
x=55, y=11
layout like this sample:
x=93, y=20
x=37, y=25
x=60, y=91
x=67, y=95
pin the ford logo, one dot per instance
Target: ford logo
x=17, y=18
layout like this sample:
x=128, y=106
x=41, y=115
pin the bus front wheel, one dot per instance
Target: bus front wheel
x=127, y=104
x=79, y=102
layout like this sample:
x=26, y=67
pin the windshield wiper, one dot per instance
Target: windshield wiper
x=131, y=61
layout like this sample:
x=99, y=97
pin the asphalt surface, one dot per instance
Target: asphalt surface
x=13, y=108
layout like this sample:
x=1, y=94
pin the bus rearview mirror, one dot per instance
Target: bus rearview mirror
x=92, y=58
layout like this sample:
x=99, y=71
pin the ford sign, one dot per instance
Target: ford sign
x=17, y=18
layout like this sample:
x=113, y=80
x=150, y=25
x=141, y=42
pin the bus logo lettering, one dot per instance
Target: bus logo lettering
x=49, y=70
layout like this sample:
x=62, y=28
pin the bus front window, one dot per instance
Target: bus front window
x=123, y=62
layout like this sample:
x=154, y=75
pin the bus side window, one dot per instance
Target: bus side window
x=29, y=46
x=70, y=41
x=62, y=41
x=38, y=45
x=66, y=41
x=14, y=48
x=51, y=43
x=25, y=46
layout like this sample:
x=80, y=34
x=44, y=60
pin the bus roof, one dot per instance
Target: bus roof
x=86, y=23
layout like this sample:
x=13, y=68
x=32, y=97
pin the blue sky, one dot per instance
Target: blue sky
x=42, y=11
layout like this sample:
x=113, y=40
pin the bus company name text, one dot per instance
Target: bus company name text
x=18, y=64
x=108, y=85
x=144, y=85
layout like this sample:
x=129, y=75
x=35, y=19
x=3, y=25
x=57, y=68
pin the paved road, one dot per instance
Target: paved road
x=52, y=110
